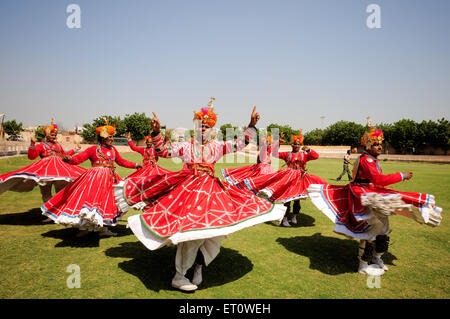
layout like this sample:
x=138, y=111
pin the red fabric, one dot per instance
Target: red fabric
x=289, y=183
x=194, y=152
x=345, y=201
x=111, y=155
x=47, y=169
x=183, y=201
x=148, y=153
x=149, y=170
x=369, y=169
x=92, y=190
x=235, y=175
x=45, y=149
x=192, y=198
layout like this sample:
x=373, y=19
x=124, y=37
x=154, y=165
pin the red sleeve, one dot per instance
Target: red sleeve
x=70, y=153
x=311, y=155
x=135, y=148
x=283, y=155
x=370, y=168
x=83, y=156
x=123, y=162
x=35, y=151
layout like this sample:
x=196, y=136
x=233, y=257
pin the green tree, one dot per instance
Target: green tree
x=343, y=133
x=314, y=137
x=235, y=131
x=89, y=134
x=387, y=133
x=404, y=136
x=12, y=127
x=138, y=125
x=442, y=138
x=39, y=133
x=284, y=130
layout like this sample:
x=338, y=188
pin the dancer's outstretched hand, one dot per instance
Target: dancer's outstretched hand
x=156, y=126
x=408, y=175
x=254, y=118
x=67, y=158
x=33, y=141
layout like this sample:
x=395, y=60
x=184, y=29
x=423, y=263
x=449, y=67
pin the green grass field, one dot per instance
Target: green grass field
x=264, y=261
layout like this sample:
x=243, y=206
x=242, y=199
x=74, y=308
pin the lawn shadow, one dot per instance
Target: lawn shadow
x=303, y=220
x=329, y=255
x=156, y=268
x=92, y=239
x=32, y=217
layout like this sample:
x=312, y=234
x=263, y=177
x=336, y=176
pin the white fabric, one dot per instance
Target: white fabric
x=87, y=219
x=315, y=194
x=122, y=204
x=378, y=223
x=187, y=252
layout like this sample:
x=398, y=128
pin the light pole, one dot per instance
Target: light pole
x=2, y=131
x=322, y=118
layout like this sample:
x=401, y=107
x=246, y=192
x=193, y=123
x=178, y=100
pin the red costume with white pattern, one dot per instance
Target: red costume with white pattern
x=150, y=159
x=360, y=209
x=287, y=184
x=235, y=175
x=50, y=168
x=88, y=202
x=193, y=204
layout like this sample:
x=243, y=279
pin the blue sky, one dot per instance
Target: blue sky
x=295, y=60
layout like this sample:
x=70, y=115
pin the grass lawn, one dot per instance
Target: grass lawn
x=263, y=261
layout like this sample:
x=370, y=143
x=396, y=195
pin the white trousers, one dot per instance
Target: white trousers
x=187, y=252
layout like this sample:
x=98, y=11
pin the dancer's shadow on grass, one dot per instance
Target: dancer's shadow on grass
x=92, y=239
x=303, y=220
x=156, y=268
x=32, y=217
x=329, y=255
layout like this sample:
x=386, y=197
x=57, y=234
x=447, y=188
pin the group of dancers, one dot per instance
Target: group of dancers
x=194, y=210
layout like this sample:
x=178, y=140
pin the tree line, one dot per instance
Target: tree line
x=405, y=136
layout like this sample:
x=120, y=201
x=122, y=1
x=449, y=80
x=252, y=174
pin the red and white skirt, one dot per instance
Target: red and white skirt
x=184, y=206
x=46, y=170
x=88, y=203
x=284, y=185
x=362, y=210
x=149, y=170
x=235, y=175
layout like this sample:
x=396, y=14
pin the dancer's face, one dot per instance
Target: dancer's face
x=203, y=130
x=52, y=137
x=149, y=143
x=376, y=149
x=295, y=147
x=108, y=141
